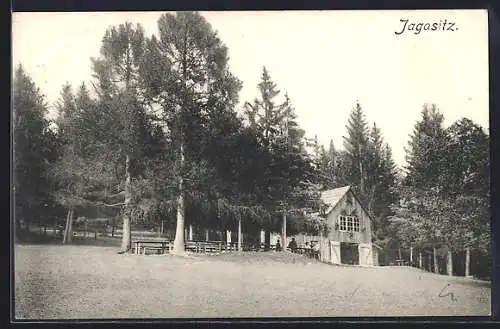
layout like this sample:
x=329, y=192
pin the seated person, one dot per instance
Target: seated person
x=292, y=245
x=316, y=250
x=278, y=245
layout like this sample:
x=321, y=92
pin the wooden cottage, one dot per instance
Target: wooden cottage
x=349, y=240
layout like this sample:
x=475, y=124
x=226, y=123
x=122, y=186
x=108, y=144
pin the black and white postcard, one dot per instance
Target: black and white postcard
x=250, y=164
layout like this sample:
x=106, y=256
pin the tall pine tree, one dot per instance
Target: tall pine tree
x=357, y=151
x=117, y=73
x=186, y=75
x=290, y=177
x=425, y=150
x=33, y=149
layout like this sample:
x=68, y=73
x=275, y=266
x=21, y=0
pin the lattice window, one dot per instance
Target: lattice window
x=349, y=224
x=355, y=224
x=342, y=224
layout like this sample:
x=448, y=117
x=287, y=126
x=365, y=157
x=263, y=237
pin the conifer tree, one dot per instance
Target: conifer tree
x=425, y=150
x=290, y=176
x=117, y=74
x=33, y=148
x=357, y=152
x=186, y=75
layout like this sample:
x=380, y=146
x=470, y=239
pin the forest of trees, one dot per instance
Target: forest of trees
x=158, y=136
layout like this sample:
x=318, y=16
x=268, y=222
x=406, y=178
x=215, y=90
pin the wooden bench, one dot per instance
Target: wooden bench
x=401, y=262
x=299, y=250
x=209, y=246
x=85, y=235
x=141, y=247
x=252, y=247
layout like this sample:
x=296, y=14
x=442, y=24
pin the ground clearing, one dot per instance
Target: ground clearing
x=81, y=282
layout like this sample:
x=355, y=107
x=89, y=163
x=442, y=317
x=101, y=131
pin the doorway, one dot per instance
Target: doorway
x=349, y=253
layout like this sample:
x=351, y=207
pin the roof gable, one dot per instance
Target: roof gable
x=332, y=197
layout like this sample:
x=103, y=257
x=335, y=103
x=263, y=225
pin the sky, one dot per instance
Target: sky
x=325, y=60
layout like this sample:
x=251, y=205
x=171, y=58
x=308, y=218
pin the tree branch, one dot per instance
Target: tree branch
x=111, y=205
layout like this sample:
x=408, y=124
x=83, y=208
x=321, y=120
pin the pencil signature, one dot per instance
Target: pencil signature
x=352, y=294
x=451, y=294
x=355, y=290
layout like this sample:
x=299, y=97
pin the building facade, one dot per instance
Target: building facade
x=349, y=240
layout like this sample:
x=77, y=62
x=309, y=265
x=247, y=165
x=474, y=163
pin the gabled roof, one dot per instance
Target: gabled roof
x=332, y=197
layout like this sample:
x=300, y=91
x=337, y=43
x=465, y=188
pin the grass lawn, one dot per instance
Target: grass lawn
x=78, y=282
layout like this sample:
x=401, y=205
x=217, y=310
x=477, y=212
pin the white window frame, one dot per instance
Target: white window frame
x=349, y=224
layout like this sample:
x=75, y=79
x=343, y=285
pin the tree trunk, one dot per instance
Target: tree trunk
x=420, y=259
x=161, y=228
x=411, y=256
x=436, y=265
x=267, y=244
x=206, y=235
x=467, y=262
x=399, y=254
x=66, y=227
x=179, y=245
x=126, y=230
x=113, y=226
x=68, y=230
x=361, y=178
x=228, y=239
x=283, y=232
x=240, y=237
x=371, y=200
x=262, y=239
x=321, y=254
x=449, y=263
x=190, y=233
